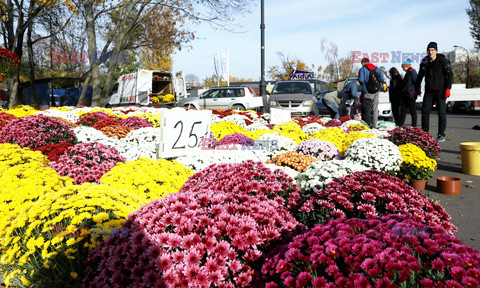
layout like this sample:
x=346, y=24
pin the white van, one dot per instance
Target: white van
x=141, y=86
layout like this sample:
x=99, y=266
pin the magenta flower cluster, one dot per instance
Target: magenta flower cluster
x=370, y=194
x=389, y=251
x=251, y=178
x=333, y=123
x=420, y=138
x=87, y=162
x=236, y=138
x=36, y=131
x=135, y=122
x=322, y=150
x=190, y=239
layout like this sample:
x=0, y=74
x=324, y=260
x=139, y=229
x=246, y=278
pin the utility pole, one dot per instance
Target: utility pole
x=468, y=64
x=263, y=92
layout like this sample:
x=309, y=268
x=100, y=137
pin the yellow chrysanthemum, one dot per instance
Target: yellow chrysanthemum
x=358, y=127
x=154, y=119
x=168, y=98
x=416, y=164
x=152, y=178
x=222, y=129
x=48, y=242
x=291, y=130
x=334, y=135
x=22, y=111
x=352, y=137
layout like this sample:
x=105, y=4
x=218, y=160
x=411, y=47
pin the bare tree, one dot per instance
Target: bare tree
x=344, y=68
x=331, y=54
x=192, y=79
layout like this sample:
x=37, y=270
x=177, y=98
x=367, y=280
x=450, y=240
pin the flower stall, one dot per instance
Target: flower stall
x=314, y=202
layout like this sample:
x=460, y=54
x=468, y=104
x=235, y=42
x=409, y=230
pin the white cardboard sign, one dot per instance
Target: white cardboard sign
x=182, y=131
x=279, y=116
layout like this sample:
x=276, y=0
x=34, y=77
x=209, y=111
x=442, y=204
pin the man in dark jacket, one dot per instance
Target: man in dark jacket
x=335, y=101
x=438, y=82
x=408, y=94
x=370, y=99
x=395, y=92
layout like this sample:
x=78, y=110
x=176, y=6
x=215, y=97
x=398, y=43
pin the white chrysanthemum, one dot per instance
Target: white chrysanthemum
x=82, y=110
x=152, y=110
x=292, y=173
x=266, y=117
x=320, y=173
x=386, y=125
x=144, y=135
x=311, y=128
x=375, y=153
x=324, y=120
x=257, y=125
x=215, y=119
x=274, y=144
x=86, y=134
x=382, y=134
x=67, y=115
x=198, y=160
x=354, y=122
x=236, y=118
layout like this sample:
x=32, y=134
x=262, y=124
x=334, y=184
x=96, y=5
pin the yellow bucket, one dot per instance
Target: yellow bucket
x=470, y=157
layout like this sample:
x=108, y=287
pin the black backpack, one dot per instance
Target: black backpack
x=373, y=84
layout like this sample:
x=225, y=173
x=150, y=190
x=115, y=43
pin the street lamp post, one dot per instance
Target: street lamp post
x=468, y=64
x=263, y=93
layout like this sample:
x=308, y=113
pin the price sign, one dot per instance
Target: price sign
x=279, y=116
x=182, y=131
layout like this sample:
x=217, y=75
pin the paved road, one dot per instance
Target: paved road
x=465, y=207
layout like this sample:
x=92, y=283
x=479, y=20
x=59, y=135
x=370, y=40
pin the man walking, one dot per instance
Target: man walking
x=371, y=79
x=438, y=82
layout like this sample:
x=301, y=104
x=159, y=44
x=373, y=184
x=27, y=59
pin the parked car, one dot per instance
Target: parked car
x=236, y=98
x=295, y=96
x=322, y=109
x=463, y=106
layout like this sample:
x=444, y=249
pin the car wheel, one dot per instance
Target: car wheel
x=190, y=107
x=238, y=107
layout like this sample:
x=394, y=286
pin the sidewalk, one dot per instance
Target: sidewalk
x=465, y=207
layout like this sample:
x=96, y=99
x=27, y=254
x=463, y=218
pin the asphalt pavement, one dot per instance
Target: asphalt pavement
x=464, y=208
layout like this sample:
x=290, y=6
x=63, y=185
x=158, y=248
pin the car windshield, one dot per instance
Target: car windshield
x=292, y=87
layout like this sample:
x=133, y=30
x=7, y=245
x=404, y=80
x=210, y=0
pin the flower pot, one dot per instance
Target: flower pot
x=449, y=185
x=418, y=184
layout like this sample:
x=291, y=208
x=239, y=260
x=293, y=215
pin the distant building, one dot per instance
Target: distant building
x=460, y=55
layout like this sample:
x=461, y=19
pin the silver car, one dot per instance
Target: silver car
x=236, y=98
x=294, y=96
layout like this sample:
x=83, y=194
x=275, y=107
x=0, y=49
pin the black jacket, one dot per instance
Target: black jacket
x=438, y=74
x=395, y=89
x=409, y=82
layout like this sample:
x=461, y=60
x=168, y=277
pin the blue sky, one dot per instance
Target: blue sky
x=296, y=28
